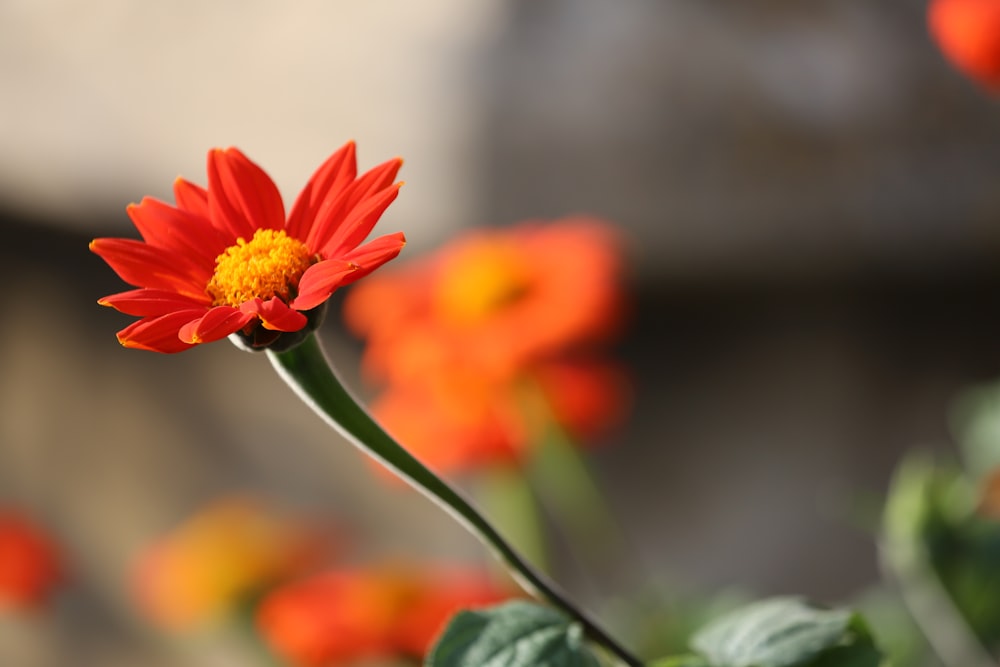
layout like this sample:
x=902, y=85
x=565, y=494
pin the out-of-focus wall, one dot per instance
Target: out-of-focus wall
x=110, y=101
x=741, y=140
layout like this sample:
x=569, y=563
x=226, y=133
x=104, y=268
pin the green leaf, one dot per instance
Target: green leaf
x=514, y=634
x=943, y=557
x=858, y=649
x=975, y=419
x=786, y=632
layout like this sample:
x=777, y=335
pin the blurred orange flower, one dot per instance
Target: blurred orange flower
x=225, y=260
x=29, y=562
x=968, y=33
x=226, y=553
x=492, y=300
x=468, y=339
x=350, y=614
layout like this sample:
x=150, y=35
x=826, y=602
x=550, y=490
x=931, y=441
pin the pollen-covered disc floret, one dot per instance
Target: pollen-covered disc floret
x=269, y=265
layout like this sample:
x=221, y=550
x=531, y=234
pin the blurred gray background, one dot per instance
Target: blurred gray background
x=809, y=190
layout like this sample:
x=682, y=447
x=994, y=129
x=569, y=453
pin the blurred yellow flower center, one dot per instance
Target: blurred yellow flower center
x=268, y=265
x=481, y=280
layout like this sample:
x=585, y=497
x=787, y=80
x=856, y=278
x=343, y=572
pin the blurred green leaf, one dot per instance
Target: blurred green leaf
x=943, y=556
x=927, y=501
x=785, y=632
x=858, y=649
x=899, y=637
x=680, y=661
x=975, y=419
x=661, y=618
x=514, y=634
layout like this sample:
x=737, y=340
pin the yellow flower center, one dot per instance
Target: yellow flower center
x=268, y=265
x=481, y=280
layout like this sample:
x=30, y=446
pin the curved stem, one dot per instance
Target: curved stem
x=307, y=371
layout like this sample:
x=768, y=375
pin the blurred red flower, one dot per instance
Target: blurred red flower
x=226, y=260
x=350, y=614
x=229, y=551
x=968, y=33
x=467, y=341
x=30, y=566
x=492, y=300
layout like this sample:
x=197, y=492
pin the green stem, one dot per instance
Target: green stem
x=307, y=371
x=506, y=496
x=573, y=493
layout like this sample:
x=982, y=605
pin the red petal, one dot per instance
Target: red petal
x=326, y=219
x=335, y=210
x=151, y=302
x=217, y=323
x=191, y=198
x=373, y=180
x=374, y=254
x=167, y=227
x=326, y=184
x=359, y=223
x=319, y=282
x=159, y=334
x=143, y=265
x=275, y=315
x=241, y=197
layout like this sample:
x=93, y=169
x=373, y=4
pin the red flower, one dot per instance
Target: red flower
x=483, y=344
x=968, y=33
x=226, y=260
x=349, y=614
x=492, y=300
x=29, y=562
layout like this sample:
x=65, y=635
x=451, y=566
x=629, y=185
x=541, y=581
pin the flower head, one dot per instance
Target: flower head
x=226, y=260
x=471, y=339
x=343, y=615
x=29, y=562
x=968, y=33
x=230, y=550
x=493, y=300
